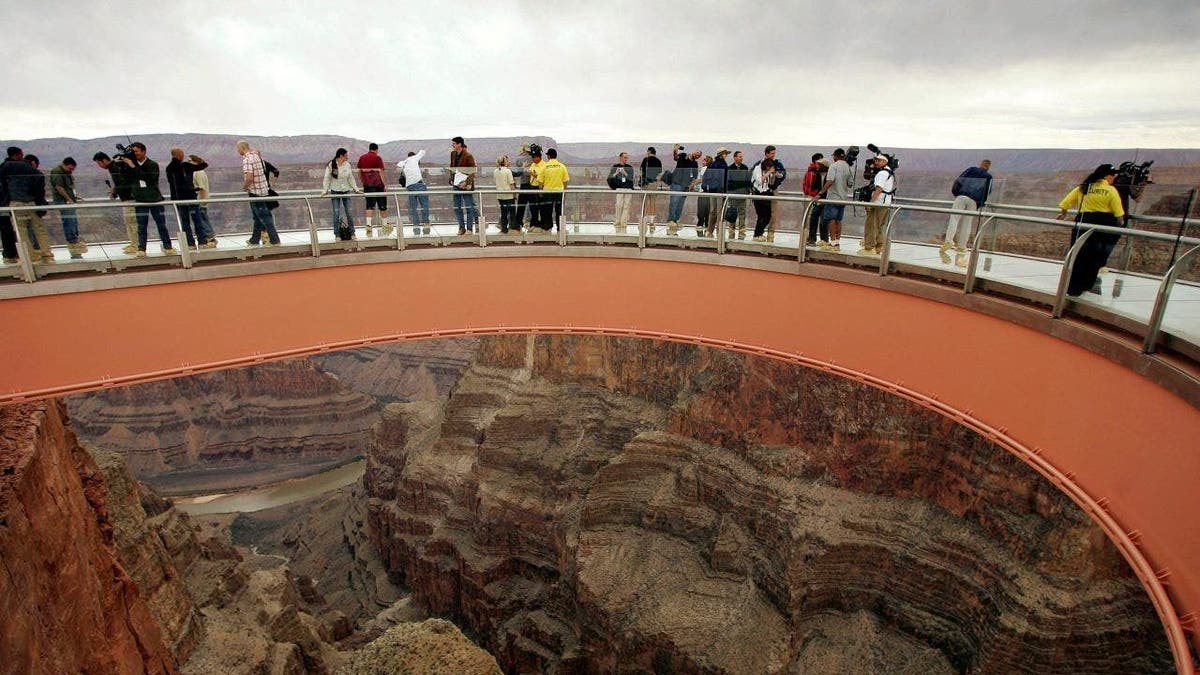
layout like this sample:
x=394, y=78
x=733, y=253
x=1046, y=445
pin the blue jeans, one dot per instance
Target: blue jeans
x=143, y=215
x=189, y=215
x=418, y=204
x=70, y=223
x=342, y=205
x=263, y=220
x=464, y=211
x=675, y=210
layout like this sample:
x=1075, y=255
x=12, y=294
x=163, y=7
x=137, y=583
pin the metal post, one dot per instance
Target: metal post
x=185, y=249
x=886, y=233
x=312, y=229
x=721, y=224
x=481, y=224
x=1154, y=325
x=973, y=264
x=1183, y=222
x=562, y=223
x=399, y=225
x=1060, y=297
x=804, y=225
x=642, y=222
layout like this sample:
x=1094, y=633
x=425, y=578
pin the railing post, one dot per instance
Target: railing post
x=973, y=263
x=312, y=229
x=804, y=225
x=562, y=221
x=1154, y=325
x=399, y=224
x=1060, y=297
x=721, y=224
x=24, y=251
x=185, y=249
x=642, y=222
x=886, y=233
x=481, y=223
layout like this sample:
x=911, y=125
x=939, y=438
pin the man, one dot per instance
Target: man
x=528, y=173
x=254, y=182
x=147, y=195
x=62, y=183
x=814, y=179
x=970, y=192
x=884, y=187
x=739, y=183
x=620, y=177
x=414, y=184
x=374, y=180
x=8, y=234
x=682, y=177
x=651, y=171
x=780, y=175
x=764, y=180
x=25, y=185
x=462, y=179
x=552, y=180
x=120, y=185
x=714, y=181
x=839, y=185
x=181, y=180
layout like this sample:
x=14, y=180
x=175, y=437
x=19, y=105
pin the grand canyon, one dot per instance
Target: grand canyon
x=545, y=504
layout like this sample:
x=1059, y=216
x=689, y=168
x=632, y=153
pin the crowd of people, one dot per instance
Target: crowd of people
x=724, y=181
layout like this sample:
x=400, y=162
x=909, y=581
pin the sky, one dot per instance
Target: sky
x=908, y=73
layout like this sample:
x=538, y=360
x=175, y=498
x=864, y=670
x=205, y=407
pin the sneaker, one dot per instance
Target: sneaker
x=824, y=246
x=426, y=231
x=960, y=260
x=867, y=251
x=835, y=247
x=168, y=251
x=48, y=258
x=211, y=243
x=252, y=242
x=141, y=254
x=385, y=231
x=370, y=231
x=462, y=231
x=759, y=238
x=878, y=250
x=129, y=249
x=11, y=261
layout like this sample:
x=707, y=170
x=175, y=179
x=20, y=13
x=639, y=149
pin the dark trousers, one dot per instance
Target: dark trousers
x=1094, y=253
x=507, y=211
x=704, y=209
x=189, y=215
x=143, y=215
x=8, y=235
x=817, y=224
x=551, y=207
x=762, y=209
x=263, y=220
x=526, y=201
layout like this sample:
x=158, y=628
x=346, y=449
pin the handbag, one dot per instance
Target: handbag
x=273, y=204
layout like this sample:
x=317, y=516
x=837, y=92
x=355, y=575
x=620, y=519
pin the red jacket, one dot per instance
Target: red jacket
x=813, y=180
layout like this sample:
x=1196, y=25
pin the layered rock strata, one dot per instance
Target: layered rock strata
x=403, y=371
x=601, y=504
x=230, y=429
x=67, y=603
x=432, y=647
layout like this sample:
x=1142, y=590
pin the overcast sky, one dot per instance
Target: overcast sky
x=909, y=73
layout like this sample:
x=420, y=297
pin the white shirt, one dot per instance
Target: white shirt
x=502, y=176
x=885, y=180
x=412, y=169
x=344, y=182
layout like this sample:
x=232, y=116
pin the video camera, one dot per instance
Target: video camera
x=1134, y=174
x=531, y=149
x=124, y=151
x=852, y=155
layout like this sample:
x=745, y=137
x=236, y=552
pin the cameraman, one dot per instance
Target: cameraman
x=120, y=187
x=884, y=186
x=145, y=191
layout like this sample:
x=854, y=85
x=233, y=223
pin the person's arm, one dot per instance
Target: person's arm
x=327, y=178
x=61, y=190
x=1073, y=198
x=1114, y=204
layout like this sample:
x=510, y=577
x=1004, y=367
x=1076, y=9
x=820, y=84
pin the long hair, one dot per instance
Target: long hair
x=333, y=162
x=1096, y=174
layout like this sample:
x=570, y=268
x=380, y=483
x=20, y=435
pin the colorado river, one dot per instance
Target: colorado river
x=277, y=494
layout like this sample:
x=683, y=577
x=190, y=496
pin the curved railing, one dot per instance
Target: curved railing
x=1150, y=317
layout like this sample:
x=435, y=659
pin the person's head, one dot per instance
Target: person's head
x=33, y=159
x=623, y=158
x=737, y=157
x=457, y=144
x=769, y=152
x=139, y=151
x=502, y=160
x=880, y=161
x=177, y=153
x=721, y=152
x=651, y=151
x=986, y=164
x=817, y=157
x=243, y=147
x=535, y=156
x=696, y=154
x=1104, y=172
x=195, y=159
x=768, y=164
x=14, y=152
x=102, y=160
x=707, y=160
x=411, y=154
x=68, y=164
x=551, y=153
x=341, y=156
x=373, y=147
x=839, y=154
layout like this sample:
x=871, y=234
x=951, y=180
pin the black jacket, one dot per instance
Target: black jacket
x=715, y=176
x=620, y=177
x=147, y=173
x=651, y=169
x=179, y=178
x=22, y=182
x=685, y=171
x=739, y=178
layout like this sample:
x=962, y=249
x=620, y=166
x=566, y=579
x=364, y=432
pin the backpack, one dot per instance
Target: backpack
x=666, y=176
x=403, y=179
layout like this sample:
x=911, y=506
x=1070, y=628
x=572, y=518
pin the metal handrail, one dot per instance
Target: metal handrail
x=1154, y=325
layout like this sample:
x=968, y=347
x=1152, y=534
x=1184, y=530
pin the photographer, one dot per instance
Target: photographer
x=120, y=186
x=685, y=172
x=181, y=181
x=145, y=191
x=620, y=177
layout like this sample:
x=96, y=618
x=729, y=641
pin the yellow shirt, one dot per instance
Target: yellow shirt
x=1100, y=197
x=553, y=176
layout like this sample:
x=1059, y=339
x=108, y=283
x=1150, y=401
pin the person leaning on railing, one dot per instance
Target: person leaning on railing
x=414, y=183
x=1099, y=203
x=339, y=180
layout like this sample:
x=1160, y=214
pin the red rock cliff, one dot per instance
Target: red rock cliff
x=67, y=604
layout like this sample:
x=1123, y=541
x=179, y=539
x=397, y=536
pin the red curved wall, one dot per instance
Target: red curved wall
x=1127, y=443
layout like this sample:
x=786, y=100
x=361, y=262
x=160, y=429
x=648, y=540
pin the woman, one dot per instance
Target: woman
x=502, y=176
x=1099, y=203
x=339, y=180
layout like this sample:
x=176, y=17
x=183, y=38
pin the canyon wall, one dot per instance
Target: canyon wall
x=599, y=504
x=67, y=603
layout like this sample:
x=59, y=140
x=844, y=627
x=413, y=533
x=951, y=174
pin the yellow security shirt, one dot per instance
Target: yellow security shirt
x=553, y=176
x=1100, y=197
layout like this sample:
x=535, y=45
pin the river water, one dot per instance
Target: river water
x=274, y=495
